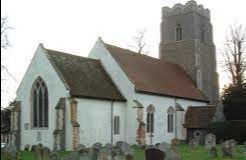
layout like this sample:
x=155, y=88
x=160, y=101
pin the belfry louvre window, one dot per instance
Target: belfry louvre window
x=39, y=104
x=170, y=119
x=150, y=119
x=116, y=124
x=178, y=32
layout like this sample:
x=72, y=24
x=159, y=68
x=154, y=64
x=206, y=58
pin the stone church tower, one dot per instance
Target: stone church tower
x=187, y=39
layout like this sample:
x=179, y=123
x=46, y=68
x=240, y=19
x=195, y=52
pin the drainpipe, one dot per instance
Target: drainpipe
x=112, y=123
x=175, y=101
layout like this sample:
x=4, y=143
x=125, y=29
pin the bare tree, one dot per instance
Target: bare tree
x=139, y=43
x=5, y=74
x=235, y=54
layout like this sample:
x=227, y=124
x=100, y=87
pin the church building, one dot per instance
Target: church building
x=115, y=94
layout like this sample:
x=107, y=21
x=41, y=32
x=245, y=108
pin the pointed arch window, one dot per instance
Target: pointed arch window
x=178, y=32
x=39, y=104
x=170, y=119
x=150, y=119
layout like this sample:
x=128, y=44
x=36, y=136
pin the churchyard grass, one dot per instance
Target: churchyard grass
x=186, y=153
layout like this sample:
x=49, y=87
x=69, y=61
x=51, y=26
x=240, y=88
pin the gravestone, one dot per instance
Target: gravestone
x=46, y=153
x=38, y=152
x=163, y=146
x=154, y=154
x=233, y=143
x=97, y=145
x=174, y=153
x=10, y=151
x=210, y=141
x=27, y=147
x=227, y=150
x=213, y=152
x=103, y=155
x=193, y=144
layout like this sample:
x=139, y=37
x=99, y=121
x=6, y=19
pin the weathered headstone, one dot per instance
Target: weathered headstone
x=38, y=153
x=154, y=154
x=193, y=144
x=174, y=153
x=103, y=155
x=213, y=152
x=210, y=141
x=10, y=151
x=27, y=147
x=233, y=143
x=227, y=150
x=97, y=145
x=46, y=153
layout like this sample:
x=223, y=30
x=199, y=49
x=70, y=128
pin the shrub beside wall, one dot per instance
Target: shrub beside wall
x=235, y=129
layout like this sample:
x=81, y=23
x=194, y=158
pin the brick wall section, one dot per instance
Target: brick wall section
x=75, y=124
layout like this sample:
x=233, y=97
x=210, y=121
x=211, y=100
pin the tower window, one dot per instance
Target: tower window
x=178, y=32
x=170, y=119
x=39, y=104
x=150, y=119
x=202, y=34
x=199, y=79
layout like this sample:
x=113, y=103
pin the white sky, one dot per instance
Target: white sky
x=74, y=25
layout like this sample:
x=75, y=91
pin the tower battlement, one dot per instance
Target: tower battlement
x=190, y=6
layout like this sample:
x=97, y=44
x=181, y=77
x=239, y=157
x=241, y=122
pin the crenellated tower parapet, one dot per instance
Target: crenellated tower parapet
x=190, y=6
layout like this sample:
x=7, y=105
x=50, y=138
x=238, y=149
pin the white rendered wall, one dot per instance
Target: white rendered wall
x=125, y=86
x=94, y=117
x=40, y=66
x=161, y=105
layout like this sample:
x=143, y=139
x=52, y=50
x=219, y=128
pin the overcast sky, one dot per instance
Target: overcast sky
x=74, y=25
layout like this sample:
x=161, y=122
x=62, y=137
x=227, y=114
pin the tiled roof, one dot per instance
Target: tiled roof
x=155, y=76
x=85, y=77
x=199, y=116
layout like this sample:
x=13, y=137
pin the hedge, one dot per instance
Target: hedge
x=235, y=129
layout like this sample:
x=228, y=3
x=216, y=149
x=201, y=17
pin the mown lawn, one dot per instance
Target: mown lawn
x=186, y=154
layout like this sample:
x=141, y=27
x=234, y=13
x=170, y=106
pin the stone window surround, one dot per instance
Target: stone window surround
x=31, y=125
x=150, y=119
x=170, y=119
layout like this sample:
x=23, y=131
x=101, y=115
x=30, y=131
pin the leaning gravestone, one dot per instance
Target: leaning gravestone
x=10, y=151
x=154, y=154
x=210, y=141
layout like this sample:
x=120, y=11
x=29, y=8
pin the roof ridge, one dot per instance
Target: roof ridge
x=49, y=51
x=144, y=55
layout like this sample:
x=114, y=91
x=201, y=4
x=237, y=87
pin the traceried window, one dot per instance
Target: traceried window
x=39, y=104
x=178, y=32
x=170, y=119
x=150, y=119
x=116, y=124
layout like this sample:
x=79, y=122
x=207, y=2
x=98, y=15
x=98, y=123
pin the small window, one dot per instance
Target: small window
x=170, y=119
x=199, y=79
x=116, y=124
x=178, y=32
x=202, y=33
x=150, y=119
